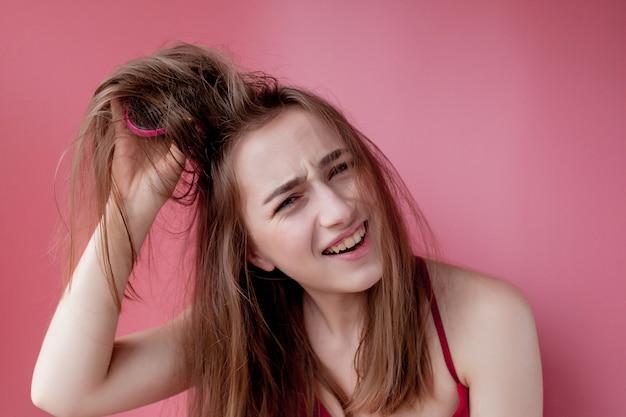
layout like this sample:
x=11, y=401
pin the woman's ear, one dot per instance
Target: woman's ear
x=258, y=260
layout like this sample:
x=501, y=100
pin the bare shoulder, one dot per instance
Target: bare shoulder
x=483, y=317
x=459, y=288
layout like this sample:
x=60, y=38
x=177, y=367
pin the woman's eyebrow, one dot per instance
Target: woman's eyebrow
x=327, y=159
x=333, y=156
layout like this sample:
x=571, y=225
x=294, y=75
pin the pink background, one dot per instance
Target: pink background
x=507, y=119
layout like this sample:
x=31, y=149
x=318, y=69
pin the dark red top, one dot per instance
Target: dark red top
x=463, y=409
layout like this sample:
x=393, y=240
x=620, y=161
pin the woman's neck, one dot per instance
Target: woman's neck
x=334, y=318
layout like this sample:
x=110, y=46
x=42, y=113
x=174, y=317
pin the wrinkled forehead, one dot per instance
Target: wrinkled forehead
x=290, y=145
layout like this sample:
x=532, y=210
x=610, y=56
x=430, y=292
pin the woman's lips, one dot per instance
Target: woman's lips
x=347, y=234
x=357, y=250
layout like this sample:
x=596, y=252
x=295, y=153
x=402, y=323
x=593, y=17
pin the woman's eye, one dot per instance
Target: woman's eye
x=340, y=168
x=287, y=202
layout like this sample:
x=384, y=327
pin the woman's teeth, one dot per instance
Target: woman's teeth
x=347, y=243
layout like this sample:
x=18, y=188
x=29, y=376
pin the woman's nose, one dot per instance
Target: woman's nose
x=334, y=208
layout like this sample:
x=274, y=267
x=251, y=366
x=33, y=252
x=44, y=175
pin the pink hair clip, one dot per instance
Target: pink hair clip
x=139, y=131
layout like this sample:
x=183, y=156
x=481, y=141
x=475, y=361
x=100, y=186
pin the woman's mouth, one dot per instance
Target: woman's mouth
x=352, y=247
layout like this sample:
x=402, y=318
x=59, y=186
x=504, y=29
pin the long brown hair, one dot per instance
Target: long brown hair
x=246, y=349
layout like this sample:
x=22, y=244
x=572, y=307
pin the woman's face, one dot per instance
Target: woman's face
x=291, y=229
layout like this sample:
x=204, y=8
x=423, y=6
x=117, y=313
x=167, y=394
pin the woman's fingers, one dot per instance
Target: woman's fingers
x=133, y=169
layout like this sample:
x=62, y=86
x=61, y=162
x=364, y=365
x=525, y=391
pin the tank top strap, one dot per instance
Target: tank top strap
x=438, y=323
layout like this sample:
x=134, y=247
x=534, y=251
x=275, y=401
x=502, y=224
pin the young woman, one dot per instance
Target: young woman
x=308, y=297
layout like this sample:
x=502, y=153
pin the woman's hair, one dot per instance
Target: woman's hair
x=245, y=348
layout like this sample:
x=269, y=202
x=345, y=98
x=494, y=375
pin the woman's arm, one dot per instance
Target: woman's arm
x=81, y=370
x=501, y=355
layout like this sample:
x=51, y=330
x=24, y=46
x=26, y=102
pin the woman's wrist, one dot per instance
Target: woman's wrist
x=140, y=212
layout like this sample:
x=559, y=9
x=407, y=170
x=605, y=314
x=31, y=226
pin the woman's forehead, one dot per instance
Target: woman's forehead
x=290, y=145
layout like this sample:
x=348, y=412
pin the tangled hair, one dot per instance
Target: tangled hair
x=245, y=346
